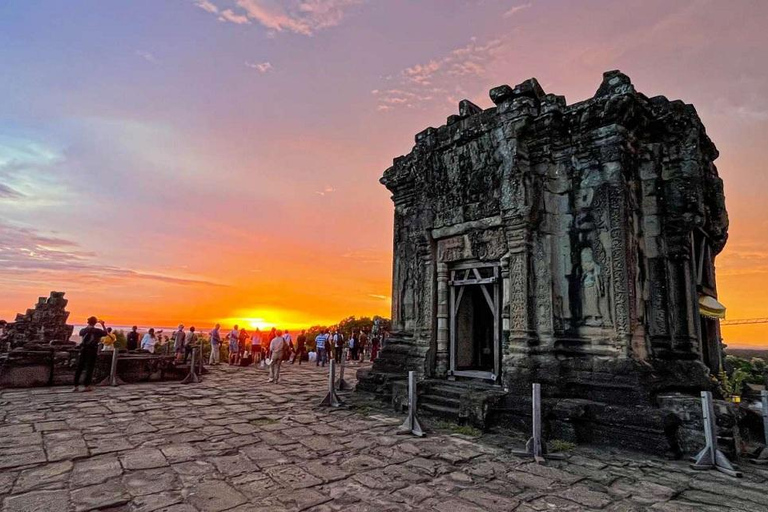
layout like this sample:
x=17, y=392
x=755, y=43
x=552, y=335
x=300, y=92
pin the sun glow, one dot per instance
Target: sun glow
x=266, y=319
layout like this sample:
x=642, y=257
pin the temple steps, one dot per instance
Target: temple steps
x=441, y=400
x=441, y=411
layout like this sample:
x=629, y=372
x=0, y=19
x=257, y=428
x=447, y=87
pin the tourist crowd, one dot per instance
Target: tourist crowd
x=238, y=347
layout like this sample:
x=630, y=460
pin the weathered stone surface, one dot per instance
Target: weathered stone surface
x=214, y=496
x=101, y=496
x=379, y=471
x=47, y=476
x=537, y=241
x=49, y=501
x=143, y=458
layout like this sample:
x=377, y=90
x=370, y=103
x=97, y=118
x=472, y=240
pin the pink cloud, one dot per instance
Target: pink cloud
x=298, y=16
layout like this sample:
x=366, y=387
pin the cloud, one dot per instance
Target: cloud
x=147, y=56
x=262, y=67
x=27, y=253
x=304, y=17
x=207, y=6
x=516, y=9
x=230, y=16
x=439, y=79
x=327, y=190
x=31, y=169
x=7, y=192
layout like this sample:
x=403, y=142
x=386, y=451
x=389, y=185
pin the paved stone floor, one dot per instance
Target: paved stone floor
x=236, y=443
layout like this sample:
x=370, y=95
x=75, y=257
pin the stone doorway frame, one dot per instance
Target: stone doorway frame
x=469, y=274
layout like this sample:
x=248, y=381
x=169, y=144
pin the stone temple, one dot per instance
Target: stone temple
x=569, y=245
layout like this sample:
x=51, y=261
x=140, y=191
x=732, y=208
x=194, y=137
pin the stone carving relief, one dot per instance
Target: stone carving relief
x=592, y=289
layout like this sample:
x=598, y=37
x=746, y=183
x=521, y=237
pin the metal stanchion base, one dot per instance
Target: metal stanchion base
x=343, y=385
x=762, y=458
x=332, y=400
x=411, y=426
x=112, y=379
x=107, y=381
x=704, y=462
x=531, y=452
x=192, y=378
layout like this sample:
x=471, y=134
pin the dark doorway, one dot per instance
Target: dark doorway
x=474, y=332
x=475, y=321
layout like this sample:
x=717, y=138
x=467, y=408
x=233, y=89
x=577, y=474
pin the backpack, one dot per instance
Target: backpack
x=90, y=339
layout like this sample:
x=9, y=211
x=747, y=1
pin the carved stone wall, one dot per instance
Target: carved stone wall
x=590, y=210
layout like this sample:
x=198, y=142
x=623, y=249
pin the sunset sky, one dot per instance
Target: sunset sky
x=204, y=160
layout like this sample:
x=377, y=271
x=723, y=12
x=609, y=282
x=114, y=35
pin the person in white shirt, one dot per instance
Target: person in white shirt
x=277, y=350
x=149, y=341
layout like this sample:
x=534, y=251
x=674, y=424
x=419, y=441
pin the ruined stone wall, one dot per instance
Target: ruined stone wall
x=43, y=324
x=590, y=209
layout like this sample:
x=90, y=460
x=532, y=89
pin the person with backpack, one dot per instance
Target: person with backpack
x=338, y=345
x=89, y=346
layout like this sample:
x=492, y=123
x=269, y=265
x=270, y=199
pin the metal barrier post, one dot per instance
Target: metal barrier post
x=763, y=457
x=411, y=424
x=710, y=457
x=341, y=384
x=536, y=447
x=113, y=379
x=192, y=377
x=331, y=399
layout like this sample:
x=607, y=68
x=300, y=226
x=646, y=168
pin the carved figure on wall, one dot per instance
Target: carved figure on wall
x=592, y=288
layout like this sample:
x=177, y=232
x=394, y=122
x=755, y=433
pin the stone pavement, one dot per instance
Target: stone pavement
x=236, y=443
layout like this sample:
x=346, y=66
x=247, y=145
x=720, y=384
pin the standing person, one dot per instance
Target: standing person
x=256, y=346
x=338, y=346
x=149, y=341
x=277, y=350
x=108, y=341
x=289, y=341
x=321, y=344
x=353, y=346
x=133, y=339
x=233, y=336
x=375, y=347
x=90, y=336
x=179, y=336
x=265, y=340
x=215, y=345
x=301, y=347
x=363, y=344
x=242, y=341
x=190, y=342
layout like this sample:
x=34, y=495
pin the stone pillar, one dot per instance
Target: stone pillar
x=521, y=332
x=443, y=317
